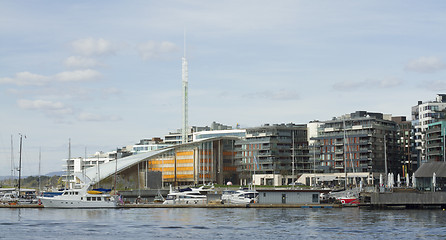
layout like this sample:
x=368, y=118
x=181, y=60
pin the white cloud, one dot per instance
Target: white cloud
x=111, y=91
x=81, y=62
x=93, y=47
x=279, y=95
x=426, y=65
x=50, y=108
x=26, y=79
x=347, y=85
x=156, y=50
x=39, y=104
x=31, y=79
x=77, y=76
x=93, y=117
x=437, y=85
x=367, y=84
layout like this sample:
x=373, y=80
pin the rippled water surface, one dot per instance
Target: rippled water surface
x=200, y=223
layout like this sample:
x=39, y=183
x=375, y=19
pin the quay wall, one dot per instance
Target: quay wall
x=408, y=198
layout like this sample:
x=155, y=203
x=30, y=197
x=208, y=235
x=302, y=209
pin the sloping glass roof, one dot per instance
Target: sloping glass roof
x=104, y=170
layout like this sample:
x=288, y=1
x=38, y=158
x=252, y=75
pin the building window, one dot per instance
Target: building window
x=315, y=198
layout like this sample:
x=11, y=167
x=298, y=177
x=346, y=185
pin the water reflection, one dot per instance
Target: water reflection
x=197, y=223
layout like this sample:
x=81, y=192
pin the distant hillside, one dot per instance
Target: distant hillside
x=60, y=173
x=6, y=178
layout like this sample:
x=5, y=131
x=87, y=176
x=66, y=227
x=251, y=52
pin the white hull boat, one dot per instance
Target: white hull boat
x=79, y=198
x=241, y=196
x=187, y=196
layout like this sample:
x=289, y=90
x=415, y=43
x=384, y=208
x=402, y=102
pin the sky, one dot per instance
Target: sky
x=106, y=74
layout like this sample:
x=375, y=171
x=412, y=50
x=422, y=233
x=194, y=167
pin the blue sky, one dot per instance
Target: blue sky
x=108, y=73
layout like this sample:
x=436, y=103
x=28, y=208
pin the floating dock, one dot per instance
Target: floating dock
x=410, y=199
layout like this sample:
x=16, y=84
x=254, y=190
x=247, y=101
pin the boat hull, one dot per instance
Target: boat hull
x=349, y=201
x=49, y=202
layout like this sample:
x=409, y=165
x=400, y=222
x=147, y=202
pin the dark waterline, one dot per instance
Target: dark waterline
x=200, y=223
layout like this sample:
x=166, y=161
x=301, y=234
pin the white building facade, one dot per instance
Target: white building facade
x=423, y=114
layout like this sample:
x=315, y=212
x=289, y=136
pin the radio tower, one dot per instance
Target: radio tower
x=185, y=83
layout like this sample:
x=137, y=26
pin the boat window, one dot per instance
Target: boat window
x=82, y=198
x=76, y=193
x=88, y=198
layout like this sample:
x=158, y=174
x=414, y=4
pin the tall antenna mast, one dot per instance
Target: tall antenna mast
x=185, y=95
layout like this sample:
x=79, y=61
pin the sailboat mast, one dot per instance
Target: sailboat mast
x=40, y=159
x=292, y=170
x=68, y=161
x=116, y=167
x=345, y=160
x=12, y=163
x=20, y=162
x=385, y=154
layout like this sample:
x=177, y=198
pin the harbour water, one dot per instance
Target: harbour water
x=230, y=223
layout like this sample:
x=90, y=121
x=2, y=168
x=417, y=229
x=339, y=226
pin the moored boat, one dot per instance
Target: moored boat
x=187, y=196
x=79, y=198
x=241, y=196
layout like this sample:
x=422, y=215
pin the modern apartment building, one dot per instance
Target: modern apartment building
x=175, y=138
x=405, y=143
x=279, y=149
x=435, y=142
x=146, y=145
x=359, y=142
x=314, y=148
x=423, y=114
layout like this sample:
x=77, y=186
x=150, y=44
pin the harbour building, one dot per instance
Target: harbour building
x=275, y=153
x=208, y=161
x=423, y=114
x=360, y=142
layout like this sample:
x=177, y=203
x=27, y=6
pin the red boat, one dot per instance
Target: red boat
x=347, y=200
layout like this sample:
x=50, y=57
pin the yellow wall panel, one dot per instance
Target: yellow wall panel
x=185, y=153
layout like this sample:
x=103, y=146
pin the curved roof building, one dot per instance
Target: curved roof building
x=208, y=160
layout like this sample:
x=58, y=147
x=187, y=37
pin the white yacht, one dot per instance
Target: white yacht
x=241, y=196
x=187, y=196
x=79, y=198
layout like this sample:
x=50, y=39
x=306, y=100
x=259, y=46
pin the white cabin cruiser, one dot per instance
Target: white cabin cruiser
x=241, y=196
x=80, y=198
x=187, y=196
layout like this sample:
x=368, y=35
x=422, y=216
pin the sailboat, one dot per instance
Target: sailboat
x=347, y=197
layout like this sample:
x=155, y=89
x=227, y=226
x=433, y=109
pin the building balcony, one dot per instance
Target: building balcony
x=435, y=144
x=434, y=153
